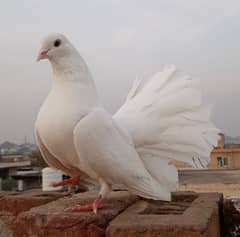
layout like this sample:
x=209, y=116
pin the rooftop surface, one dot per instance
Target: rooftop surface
x=43, y=214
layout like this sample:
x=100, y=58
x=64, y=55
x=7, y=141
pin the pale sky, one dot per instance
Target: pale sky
x=119, y=40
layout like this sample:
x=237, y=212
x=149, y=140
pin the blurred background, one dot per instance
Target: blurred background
x=119, y=40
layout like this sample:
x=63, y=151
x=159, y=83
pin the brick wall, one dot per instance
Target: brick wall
x=42, y=214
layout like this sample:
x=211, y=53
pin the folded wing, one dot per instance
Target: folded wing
x=110, y=157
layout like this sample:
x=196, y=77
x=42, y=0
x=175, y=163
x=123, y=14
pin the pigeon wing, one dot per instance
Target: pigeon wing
x=109, y=156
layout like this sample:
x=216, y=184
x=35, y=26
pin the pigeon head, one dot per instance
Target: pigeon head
x=65, y=60
x=55, y=47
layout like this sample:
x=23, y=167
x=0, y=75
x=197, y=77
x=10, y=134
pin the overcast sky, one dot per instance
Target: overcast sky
x=119, y=40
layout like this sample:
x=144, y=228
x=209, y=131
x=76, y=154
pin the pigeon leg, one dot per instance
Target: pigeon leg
x=71, y=182
x=97, y=203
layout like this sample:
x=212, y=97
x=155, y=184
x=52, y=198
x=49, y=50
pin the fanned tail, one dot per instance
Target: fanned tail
x=167, y=120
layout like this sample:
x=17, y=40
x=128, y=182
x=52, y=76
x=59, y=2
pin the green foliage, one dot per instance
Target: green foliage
x=9, y=184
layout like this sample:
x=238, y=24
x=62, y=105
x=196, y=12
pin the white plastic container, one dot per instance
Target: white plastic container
x=20, y=185
x=49, y=176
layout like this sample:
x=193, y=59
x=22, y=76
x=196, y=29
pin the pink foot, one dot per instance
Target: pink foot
x=89, y=207
x=71, y=182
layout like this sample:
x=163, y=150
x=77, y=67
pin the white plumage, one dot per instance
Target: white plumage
x=162, y=119
x=167, y=119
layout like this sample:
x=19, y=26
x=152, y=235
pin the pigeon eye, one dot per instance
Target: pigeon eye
x=57, y=43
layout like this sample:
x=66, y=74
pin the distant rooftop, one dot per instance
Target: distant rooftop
x=226, y=145
x=7, y=164
x=232, y=146
x=7, y=148
x=13, y=158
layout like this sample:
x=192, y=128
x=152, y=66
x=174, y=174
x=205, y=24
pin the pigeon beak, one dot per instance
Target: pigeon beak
x=42, y=55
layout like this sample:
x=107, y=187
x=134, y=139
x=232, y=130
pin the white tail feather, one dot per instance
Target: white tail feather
x=167, y=120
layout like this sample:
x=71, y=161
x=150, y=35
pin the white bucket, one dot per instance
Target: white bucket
x=49, y=176
x=20, y=185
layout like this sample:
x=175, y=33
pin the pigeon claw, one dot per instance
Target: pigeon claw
x=71, y=182
x=95, y=210
x=89, y=207
x=80, y=208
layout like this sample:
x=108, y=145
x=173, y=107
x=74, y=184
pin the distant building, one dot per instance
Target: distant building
x=9, y=148
x=225, y=156
x=20, y=169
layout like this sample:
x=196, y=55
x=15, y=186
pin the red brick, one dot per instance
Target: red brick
x=231, y=221
x=52, y=220
x=13, y=203
x=189, y=214
x=5, y=231
x=182, y=217
x=16, y=202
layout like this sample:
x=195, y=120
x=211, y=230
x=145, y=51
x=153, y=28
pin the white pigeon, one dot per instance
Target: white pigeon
x=163, y=119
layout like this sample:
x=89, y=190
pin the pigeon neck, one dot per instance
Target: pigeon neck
x=71, y=68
